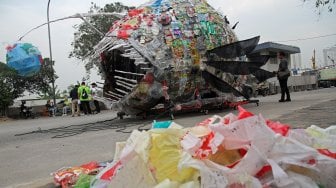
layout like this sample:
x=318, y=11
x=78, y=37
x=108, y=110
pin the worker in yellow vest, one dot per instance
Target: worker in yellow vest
x=84, y=95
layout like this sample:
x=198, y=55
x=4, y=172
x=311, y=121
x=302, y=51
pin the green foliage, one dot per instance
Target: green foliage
x=86, y=37
x=13, y=86
x=10, y=90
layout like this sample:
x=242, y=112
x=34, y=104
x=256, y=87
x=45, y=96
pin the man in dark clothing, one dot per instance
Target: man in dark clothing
x=75, y=109
x=283, y=74
x=23, y=109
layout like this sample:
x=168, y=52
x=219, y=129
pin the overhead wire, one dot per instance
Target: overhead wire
x=308, y=38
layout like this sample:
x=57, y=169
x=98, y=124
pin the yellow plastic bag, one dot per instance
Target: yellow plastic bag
x=165, y=154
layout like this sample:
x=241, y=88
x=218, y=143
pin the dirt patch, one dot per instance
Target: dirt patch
x=5, y=119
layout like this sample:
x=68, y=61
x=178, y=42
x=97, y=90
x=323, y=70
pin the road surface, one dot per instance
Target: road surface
x=47, y=144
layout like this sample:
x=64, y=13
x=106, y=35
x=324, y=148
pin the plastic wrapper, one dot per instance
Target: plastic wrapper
x=68, y=176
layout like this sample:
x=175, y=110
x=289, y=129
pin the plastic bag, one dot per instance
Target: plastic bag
x=200, y=141
x=225, y=157
x=321, y=139
x=327, y=152
x=136, y=146
x=278, y=127
x=321, y=169
x=134, y=173
x=214, y=175
x=165, y=154
x=243, y=113
x=161, y=125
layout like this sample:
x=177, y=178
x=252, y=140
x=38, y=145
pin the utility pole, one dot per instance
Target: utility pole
x=313, y=60
x=51, y=61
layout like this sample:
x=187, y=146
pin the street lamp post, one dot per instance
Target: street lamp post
x=50, y=58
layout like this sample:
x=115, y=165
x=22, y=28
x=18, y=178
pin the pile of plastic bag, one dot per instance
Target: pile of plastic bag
x=231, y=151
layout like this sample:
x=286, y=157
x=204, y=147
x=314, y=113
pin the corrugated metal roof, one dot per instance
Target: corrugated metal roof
x=271, y=46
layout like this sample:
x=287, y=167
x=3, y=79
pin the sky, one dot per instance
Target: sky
x=274, y=20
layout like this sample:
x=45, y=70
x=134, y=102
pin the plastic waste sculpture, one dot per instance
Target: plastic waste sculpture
x=25, y=58
x=177, y=51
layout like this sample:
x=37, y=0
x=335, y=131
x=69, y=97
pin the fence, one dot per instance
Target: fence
x=295, y=83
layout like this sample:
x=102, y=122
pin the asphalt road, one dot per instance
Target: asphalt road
x=31, y=149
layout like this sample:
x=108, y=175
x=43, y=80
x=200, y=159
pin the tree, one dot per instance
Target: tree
x=322, y=4
x=9, y=82
x=44, y=77
x=13, y=85
x=86, y=37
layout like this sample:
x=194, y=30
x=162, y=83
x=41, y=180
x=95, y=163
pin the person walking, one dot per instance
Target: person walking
x=283, y=73
x=84, y=95
x=75, y=109
x=94, y=93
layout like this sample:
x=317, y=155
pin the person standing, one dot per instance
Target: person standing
x=84, y=95
x=283, y=73
x=66, y=106
x=94, y=93
x=75, y=109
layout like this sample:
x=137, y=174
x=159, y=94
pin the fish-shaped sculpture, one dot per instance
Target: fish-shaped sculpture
x=174, y=50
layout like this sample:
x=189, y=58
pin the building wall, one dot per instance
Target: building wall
x=331, y=52
x=296, y=61
x=273, y=63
